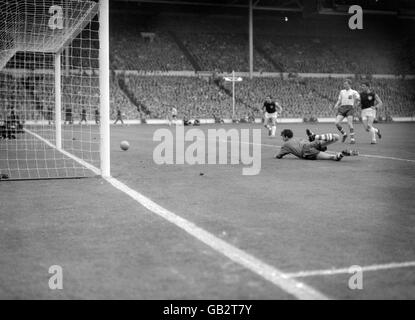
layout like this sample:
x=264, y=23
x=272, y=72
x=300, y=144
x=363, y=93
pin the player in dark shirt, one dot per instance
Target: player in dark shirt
x=83, y=116
x=119, y=117
x=49, y=115
x=271, y=115
x=68, y=115
x=370, y=102
x=314, y=149
x=97, y=116
x=2, y=128
x=11, y=125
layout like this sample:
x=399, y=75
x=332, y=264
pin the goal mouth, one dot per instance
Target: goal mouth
x=49, y=89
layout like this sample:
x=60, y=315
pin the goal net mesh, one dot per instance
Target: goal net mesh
x=44, y=43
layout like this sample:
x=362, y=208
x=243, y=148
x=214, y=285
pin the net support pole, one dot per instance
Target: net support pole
x=67, y=61
x=104, y=87
x=251, y=40
x=58, y=101
x=233, y=94
x=67, y=48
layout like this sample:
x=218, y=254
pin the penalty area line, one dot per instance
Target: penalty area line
x=361, y=155
x=329, y=272
x=291, y=286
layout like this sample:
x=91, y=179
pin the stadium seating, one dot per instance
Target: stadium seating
x=198, y=97
x=221, y=44
x=218, y=44
x=333, y=55
x=300, y=98
x=31, y=97
x=193, y=97
x=223, y=52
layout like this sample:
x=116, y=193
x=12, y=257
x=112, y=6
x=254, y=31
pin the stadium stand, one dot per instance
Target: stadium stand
x=131, y=51
x=221, y=44
x=200, y=97
x=227, y=52
x=223, y=52
x=39, y=94
x=300, y=97
x=218, y=44
x=193, y=97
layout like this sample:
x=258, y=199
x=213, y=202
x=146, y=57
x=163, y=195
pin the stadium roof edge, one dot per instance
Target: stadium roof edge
x=291, y=6
x=281, y=5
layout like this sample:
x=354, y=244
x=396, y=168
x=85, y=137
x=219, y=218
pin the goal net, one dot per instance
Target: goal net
x=49, y=88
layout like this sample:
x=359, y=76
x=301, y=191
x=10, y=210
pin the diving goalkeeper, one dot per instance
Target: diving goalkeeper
x=314, y=149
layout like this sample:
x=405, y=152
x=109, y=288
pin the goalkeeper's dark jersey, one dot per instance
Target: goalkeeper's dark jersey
x=294, y=146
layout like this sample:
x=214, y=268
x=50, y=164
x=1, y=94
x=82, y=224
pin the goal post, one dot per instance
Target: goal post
x=104, y=85
x=58, y=101
x=54, y=89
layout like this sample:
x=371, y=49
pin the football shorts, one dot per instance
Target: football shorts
x=345, y=111
x=272, y=116
x=368, y=113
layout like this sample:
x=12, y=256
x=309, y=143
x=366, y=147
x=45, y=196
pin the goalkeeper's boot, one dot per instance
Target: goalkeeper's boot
x=352, y=140
x=311, y=135
x=347, y=153
x=339, y=156
x=344, y=138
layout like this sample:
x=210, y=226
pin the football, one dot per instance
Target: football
x=124, y=145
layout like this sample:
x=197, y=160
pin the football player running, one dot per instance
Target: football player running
x=270, y=115
x=344, y=107
x=370, y=102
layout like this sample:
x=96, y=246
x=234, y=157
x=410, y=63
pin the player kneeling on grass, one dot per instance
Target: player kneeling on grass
x=314, y=149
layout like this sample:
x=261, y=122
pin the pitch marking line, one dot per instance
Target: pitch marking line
x=266, y=271
x=66, y=153
x=384, y=157
x=362, y=155
x=329, y=272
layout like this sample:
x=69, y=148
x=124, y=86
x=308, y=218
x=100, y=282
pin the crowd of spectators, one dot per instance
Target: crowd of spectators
x=120, y=101
x=299, y=97
x=132, y=51
x=221, y=44
x=223, y=52
x=194, y=97
x=33, y=97
x=340, y=55
x=315, y=97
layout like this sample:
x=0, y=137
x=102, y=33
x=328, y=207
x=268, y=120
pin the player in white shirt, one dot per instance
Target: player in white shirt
x=173, y=116
x=345, y=105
